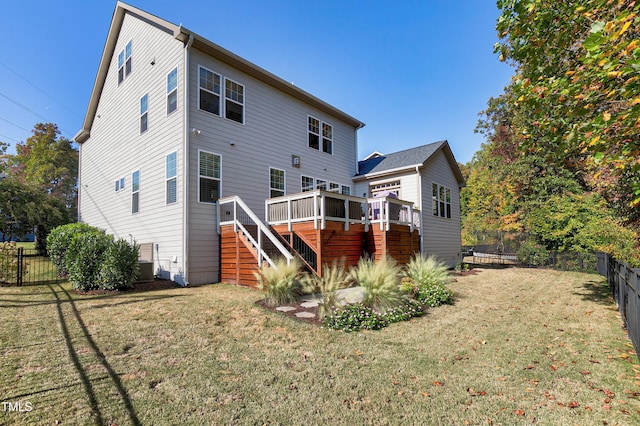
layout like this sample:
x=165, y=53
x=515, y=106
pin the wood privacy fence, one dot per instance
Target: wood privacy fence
x=20, y=266
x=625, y=285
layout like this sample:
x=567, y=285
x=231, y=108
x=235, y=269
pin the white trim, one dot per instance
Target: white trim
x=219, y=114
x=243, y=104
x=219, y=179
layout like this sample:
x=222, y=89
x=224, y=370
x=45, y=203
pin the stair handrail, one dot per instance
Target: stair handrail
x=262, y=228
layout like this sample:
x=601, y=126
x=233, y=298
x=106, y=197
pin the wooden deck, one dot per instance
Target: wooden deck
x=319, y=228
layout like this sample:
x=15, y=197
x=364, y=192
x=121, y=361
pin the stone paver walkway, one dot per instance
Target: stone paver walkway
x=343, y=297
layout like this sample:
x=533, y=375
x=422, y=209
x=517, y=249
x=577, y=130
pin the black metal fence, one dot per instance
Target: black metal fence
x=565, y=261
x=26, y=266
x=625, y=285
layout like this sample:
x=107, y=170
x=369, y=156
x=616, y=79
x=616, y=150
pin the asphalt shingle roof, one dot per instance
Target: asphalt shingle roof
x=400, y=159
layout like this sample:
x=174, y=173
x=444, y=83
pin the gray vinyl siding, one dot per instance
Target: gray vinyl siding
x=440, y=235
x=274, y=129
x=116, y=148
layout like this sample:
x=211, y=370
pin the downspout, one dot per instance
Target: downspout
x=187, y=156
x=79, y=183
x=421, y=230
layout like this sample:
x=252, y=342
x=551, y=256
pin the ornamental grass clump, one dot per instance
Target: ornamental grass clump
x=282, y=282
x=426, y=280
x=380, y=282
x=333, y=278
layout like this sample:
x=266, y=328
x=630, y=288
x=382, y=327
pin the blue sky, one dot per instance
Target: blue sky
x=414, y=71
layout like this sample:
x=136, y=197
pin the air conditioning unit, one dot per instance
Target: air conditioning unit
x=145, y=271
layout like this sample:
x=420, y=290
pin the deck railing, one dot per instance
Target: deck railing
x=233, y=211
x=322, y=206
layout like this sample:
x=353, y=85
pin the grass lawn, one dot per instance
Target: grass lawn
x=518, y=347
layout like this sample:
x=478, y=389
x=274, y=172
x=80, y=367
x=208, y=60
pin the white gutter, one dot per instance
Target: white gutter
x=186, y=162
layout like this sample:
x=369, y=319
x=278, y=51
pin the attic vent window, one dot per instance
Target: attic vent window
x=124, y=62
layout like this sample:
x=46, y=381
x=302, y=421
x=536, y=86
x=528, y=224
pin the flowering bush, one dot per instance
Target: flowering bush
x=354, y=317
x=404, y=312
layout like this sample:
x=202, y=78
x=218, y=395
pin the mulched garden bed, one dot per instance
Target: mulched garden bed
x=137, y=288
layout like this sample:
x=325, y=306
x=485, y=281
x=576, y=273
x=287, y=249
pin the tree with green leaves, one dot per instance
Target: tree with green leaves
x=576, y=94
x=49, y=162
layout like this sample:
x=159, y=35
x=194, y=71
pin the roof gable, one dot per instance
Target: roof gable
x=376, y=165
x=184, y=35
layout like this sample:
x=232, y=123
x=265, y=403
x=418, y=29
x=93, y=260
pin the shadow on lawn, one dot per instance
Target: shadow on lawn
x=60, y=295
x=596, y=292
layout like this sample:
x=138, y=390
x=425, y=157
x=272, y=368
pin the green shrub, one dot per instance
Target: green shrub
x=433, y=295
x=405, y=311
x=59, y=240
x=533, y=254
x=84, y=258
x=281, y=282
x=8, y=261
x=333, y=278
x=119, y=266
x=354, y=317
x=380, y=282
x=426, y=280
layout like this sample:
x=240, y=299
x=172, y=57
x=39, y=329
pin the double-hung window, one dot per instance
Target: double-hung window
x=327, y=138
x=307, y=183
x=234, y=101
x=321, y=184
x=124, y=62
x=144, y=113
x=209, y=91
x=346, y=190
x=209, y=166
x=276, y=182
x=172, y=91
x=135, y=191
x=171, y=177
x=320, y=135
x=441, y=200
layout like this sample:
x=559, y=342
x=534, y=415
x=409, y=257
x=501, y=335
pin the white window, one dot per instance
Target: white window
x=209, y=166
x=234, y=101
x=276, y=182
x=315, y=141
x=135, y=191
x=124, y=62
x=172, y=91
x=346, y=190
x=334, y=187
x=321, y=184
x=327, y=138
x=440, y=200
x=171, y=177
x=391, y=187
x=307, y=183
x=209, y=93
x=119, y=186
x=144, y=113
